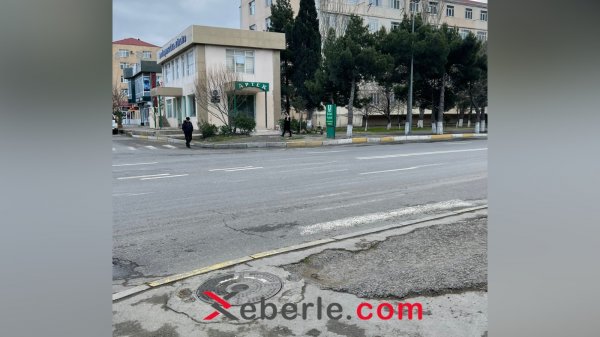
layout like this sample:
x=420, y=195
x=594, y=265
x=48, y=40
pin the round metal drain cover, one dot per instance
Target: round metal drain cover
x=241, y=287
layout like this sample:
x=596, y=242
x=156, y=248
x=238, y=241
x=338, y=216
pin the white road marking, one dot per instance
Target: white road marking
x=348, y=205
x=456, y=143
x=130, y=194
x=402, y=169
x=154, y=162
x=319, y=152
x=131, y=148
x=382, y=216
x=169, y=146
x=150, y=147
x=330, y=195
x=331, y=171
x=419, y=154
x=233, y=169
x=114, y=149
x=149, y=175
x=173, y=176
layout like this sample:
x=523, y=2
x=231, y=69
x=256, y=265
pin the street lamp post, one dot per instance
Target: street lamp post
x=408, y=126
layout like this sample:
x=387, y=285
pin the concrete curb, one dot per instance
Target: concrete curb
x=319, y=143
x=257, y=256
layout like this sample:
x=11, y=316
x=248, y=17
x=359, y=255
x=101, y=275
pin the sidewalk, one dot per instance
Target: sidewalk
x=347, y=285
x=274, y=140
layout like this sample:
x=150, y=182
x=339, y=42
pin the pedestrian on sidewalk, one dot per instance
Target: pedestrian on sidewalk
x=187, y=128
x=287, y=124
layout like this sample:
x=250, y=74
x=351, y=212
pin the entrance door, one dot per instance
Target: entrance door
x=246, y=105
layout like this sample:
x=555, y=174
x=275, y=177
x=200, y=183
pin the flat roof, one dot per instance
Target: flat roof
x=217, y=36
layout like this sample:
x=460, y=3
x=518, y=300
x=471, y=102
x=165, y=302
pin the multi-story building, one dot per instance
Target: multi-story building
x=466, y=15
x=125, y=54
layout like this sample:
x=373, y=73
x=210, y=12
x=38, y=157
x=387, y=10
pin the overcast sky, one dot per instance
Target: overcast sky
x=157, y=21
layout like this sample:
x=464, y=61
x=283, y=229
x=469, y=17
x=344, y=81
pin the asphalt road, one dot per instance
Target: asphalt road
x=178, y=209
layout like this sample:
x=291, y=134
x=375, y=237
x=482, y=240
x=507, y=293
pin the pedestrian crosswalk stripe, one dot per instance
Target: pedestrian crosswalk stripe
x=169, y=146
x=150, y=147
x=131, y=148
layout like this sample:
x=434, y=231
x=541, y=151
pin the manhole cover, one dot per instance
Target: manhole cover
x=241, y=287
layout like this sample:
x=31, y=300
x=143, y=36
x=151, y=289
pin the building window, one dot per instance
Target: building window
x=123, y=65
x=169, y=108
x=377, y=3
x=268, y=23
x=252, y=7
x=191, y=64
x=464, y=33
x=468, y=13
x=240, y=61
x=177, y=68
x=123, y=79
x=414, y=6
x=449, y=10
x=482, y=36
x=268, y=3
x=395, y=4
x=433, y=7
x=146, y=54
x=483, y=16
x=395, y=25
x=123, y=53
x=373, y=25
x=374, y=98
x=191, y=106
x=252, y=27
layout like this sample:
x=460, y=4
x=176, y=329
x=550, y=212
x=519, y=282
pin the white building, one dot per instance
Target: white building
x=189, y=60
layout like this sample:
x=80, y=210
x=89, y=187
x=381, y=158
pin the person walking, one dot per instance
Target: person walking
x=187, y=128
x=287, y=124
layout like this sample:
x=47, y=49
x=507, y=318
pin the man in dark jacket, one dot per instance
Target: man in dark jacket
x=287, y=127
x=187, y=128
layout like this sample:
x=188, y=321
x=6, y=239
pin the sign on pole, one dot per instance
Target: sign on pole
x=330, y=119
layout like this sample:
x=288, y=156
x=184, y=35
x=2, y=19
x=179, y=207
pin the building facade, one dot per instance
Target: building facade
x=206, y=68
x=126, y=53
x=142, y=77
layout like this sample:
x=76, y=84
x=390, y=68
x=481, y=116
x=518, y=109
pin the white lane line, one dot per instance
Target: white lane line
x=330, y=195
x=419, y=154
x=319, y=152
x=154, y=162
x=460, y=142
x=169, y=146
x=233, y=169
x=382, y=216
x=150, y=147
x=130, y=194
x=131, y=148
x=349, y=205
x=402, y=169
x=149, y=175
x=114, y=149
x=331, y=171
x=173, y=176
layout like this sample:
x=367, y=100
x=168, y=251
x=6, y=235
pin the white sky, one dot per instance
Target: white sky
x=157, y=21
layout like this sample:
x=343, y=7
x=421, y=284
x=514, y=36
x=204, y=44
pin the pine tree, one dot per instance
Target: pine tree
x=282, y=21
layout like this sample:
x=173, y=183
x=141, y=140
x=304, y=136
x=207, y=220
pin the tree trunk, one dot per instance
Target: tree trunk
x=482, y=124
x=469, y=116
x=388, y=111
x=477, y=120
x=421, y=117
x=440, y=118
x=461, y=116
x=367, y=123
x=350, y=115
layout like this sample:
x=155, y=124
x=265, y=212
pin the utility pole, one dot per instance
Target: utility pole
x=408, y=126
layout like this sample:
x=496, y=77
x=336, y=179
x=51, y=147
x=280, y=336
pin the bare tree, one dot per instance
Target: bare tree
x=379, y=101
x=215, y=92
x=118, y=99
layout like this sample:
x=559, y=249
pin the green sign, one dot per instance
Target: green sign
x=259, y=85
x=330, y=119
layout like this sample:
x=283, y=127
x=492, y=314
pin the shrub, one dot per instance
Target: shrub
x=245, y=124
x=295, y=123
x=207, y=129
x=225, y=130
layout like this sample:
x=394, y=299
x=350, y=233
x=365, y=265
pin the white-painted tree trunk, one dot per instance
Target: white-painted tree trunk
x=420, y=123
x=477, y=127
x=460, y=123
x=483, y=125
x=367, y=124
x=389, y=125
x=469, y=123
x=440, y=128
x=349, y=130
x=434, y=128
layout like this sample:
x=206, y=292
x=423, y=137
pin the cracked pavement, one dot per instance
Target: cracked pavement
x=441, y=264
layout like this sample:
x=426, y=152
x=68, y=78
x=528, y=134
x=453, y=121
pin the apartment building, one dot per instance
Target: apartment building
x=126, y=53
